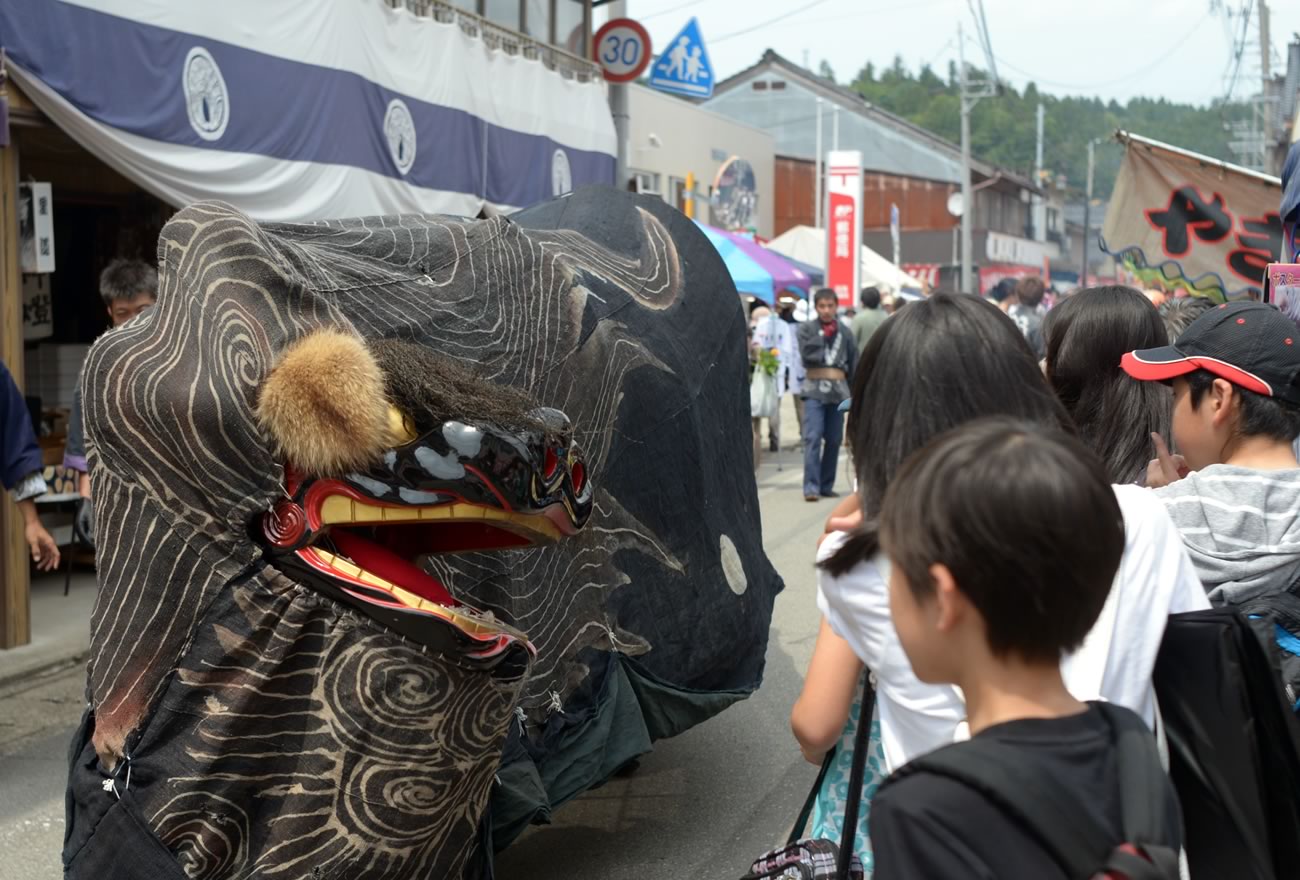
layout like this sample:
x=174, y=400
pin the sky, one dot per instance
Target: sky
x=1176, y=49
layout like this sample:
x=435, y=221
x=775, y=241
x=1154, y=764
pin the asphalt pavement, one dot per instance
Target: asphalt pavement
x=37, y=719
x=706, y=803
x=701, y=805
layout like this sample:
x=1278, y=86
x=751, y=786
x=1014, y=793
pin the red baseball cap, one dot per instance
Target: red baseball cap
x=1251, y=344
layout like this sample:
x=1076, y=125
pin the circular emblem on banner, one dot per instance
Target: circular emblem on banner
x=399, y=129
x=206, y=98
x=561, y=174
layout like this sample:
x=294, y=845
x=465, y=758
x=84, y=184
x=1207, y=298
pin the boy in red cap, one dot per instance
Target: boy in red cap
x=1235, y=374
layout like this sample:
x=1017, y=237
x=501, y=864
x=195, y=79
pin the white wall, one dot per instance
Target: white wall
x=698, y=141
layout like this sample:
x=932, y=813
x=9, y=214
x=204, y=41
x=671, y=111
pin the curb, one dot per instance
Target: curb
x=42, y=668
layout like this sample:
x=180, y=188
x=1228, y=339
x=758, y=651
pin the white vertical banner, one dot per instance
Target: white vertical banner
x=894, y=226
x=36, y=227
x=844, y=222
x=38, y=307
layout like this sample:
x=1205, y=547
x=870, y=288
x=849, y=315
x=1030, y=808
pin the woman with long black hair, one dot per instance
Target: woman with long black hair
x=938, y=364
x=1115, y=414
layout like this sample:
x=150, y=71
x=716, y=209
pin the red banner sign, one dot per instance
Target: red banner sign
x=844, y=225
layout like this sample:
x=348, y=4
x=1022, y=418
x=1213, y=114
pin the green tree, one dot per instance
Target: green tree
x=1004, y=127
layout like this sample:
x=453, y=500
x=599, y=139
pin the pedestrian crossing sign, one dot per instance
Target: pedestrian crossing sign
x=684, y=67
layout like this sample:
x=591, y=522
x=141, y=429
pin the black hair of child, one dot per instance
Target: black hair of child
x=1259, y=416
x=942, y=361
x=825, y=293
x=1024, y=517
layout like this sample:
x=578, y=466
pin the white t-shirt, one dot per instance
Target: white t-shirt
x=1155, y=579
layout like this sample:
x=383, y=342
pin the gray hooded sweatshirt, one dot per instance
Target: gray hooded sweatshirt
x=1241, y=528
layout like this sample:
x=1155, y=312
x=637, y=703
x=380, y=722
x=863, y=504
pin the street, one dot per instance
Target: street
x=702, y=805
x=37, y=720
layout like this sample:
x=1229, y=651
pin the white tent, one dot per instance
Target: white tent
x=808, y=245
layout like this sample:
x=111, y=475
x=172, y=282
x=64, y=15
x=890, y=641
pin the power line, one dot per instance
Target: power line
x=1238, y=48
x=671, y=9
x=762, y=24
x=1175, y=46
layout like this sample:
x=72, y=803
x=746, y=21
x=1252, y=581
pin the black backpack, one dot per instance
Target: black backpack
x=1275, y=618
x=1083, y=848
x=1234, y=742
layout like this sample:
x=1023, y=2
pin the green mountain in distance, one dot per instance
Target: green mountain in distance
x=1003, y=128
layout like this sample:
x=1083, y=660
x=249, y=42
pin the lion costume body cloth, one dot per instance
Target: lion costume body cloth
x=359, y=615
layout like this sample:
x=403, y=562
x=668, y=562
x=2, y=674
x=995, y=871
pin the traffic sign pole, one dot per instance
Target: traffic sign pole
x=622, y=49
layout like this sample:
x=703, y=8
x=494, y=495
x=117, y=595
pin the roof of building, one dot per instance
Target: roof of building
x=931, y=156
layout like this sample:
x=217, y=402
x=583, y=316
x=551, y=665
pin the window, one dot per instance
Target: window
x=646, y=182
x=676, y=195
x=571, y=26
x=778, y=85
x=759, y=85
x=537, y=20
x=503, y=12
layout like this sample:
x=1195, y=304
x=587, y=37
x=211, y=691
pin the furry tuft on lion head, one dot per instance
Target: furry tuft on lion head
x=324, y=404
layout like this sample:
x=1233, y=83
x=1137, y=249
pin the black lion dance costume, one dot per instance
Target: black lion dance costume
x=409, y=530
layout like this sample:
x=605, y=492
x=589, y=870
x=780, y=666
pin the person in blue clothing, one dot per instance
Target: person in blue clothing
x=828, y=352
x=21, y=466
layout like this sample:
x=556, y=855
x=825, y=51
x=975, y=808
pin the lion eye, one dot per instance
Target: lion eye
x=400, y=427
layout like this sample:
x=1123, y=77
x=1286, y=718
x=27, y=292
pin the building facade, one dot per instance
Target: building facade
x=682, y=151
x=904, y=165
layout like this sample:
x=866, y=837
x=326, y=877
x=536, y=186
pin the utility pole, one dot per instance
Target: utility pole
x=1087, y=214
x=1265, y=53
x=1040, y=208
x=835, y=126
x=966, y=206
x=618, y=109
x=969, y=98
x=817, y=171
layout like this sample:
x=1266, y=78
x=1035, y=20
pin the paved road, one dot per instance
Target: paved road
x=705, y=804
x=37, y=720
x=701, y=805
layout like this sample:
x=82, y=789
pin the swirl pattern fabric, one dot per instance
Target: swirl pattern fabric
x=248, y=726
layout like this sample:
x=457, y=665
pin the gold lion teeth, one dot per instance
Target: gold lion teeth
x=339, y=510
x=336, y=509
x=339, y=563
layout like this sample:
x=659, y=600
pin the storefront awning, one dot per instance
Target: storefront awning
x=309, y=111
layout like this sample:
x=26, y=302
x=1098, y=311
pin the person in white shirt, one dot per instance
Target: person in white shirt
x=938, y=364
x=774, y=334
x=788, y=304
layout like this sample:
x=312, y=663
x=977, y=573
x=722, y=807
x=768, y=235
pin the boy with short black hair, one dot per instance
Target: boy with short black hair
x=1235, y=494
x=995, y=617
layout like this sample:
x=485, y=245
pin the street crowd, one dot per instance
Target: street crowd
x=1041, y=499
x=1057, y=515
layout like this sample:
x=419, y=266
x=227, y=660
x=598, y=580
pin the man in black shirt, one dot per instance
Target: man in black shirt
x=994, y=617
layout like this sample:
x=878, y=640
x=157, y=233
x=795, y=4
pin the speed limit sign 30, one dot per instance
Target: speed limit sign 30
x=622, y=48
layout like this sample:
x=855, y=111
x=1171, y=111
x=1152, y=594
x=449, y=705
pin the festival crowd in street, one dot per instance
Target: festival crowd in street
x=1036, y=492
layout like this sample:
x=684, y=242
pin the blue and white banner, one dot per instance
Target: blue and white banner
x=300, y=110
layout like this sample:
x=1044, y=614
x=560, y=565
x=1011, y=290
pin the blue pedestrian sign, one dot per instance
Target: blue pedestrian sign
x=684, y=68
